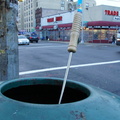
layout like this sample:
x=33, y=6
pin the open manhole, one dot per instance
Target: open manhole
x=44, y=91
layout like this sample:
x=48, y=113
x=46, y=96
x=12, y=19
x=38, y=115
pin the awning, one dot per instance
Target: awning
x=36, y=27
x=65, y=25
x=103, y=23
x=49, y=26
x=59, y=26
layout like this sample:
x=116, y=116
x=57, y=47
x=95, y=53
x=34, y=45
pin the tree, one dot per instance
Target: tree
x=9, y=65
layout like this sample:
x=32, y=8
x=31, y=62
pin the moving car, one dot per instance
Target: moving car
x=23, y=40
x=33, y=37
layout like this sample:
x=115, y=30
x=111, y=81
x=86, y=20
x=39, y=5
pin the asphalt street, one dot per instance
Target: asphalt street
x=93, y=64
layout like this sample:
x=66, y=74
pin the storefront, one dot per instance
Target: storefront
x=57, y=27
x=102, y=31
x=60, y=32
x=101, y=23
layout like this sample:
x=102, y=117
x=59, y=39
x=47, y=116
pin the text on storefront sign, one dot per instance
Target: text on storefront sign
x=113, y=13
x=59, y=18
x=50, y=20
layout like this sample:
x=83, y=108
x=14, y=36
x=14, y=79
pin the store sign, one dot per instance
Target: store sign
x=112, y=13
x=50, y=20
x=59, y=18
x=116, y=18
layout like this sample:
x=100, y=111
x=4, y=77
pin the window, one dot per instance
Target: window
x=62, y=8
x=87, y=5
x=31, y=12
x=31, y=17
x=31, y=24
x=62, y=2
x=36, y=4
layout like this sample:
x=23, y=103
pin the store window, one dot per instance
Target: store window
x=100, y=34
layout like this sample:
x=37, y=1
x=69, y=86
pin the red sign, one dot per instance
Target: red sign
x=59, y=18
x=113, y=13
x=50, y=20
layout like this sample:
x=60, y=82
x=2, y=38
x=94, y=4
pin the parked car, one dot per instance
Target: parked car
x=27, y=35
x=118, y=39
x=23, y=40
x=33, y=37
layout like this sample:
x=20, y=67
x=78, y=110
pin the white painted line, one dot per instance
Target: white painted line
x=64, y=67
x=31, y=47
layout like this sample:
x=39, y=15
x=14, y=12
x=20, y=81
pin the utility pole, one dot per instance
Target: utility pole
x=9, y=65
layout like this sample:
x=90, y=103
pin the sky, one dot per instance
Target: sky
x=108, y=2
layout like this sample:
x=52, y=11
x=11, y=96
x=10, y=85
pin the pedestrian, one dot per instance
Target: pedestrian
x=78, y=41
x=113, y=39
x=46, y=37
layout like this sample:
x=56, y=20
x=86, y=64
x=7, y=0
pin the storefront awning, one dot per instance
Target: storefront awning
x=65, y=25
x=58, y=26
x=103, y=23
x=49, y=26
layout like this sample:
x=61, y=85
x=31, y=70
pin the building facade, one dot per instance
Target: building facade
x=26, y=15
x=42, y=12
x=20, y=16
x=54, y=4
x=58, y=26
x=104, y=23
x=27, y=9
x=100, y=23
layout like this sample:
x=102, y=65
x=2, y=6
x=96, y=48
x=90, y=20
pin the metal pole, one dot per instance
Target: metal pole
x=82, y=32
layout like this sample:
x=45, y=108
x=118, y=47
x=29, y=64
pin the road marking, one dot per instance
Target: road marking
x=64, y=67
x=41, y=47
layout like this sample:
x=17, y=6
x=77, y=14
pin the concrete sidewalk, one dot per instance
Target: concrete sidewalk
x=110, y=44
x=87, y=43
